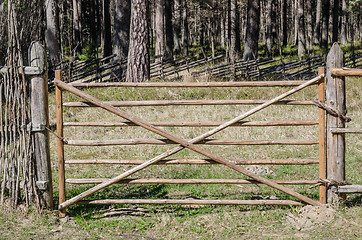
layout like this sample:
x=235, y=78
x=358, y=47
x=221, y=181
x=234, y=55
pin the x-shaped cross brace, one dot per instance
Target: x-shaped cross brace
x=183, y=143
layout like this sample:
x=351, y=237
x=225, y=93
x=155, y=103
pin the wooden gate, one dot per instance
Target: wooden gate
x=194, y=143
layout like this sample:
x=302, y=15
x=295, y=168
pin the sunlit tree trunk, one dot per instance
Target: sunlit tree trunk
x=77, y=26
x=301, y=29
x=52, y=32
x=159, y=27
x=138, y=66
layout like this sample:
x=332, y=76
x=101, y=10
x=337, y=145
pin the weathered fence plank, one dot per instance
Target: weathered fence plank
x=39, y=122
x=335, y=98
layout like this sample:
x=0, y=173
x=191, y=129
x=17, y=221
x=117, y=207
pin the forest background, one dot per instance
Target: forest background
x=240, y=28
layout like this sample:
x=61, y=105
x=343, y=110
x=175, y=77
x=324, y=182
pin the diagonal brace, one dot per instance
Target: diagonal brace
x=183, y=143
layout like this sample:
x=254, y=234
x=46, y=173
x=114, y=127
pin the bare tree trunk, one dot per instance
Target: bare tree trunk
x=177, y=26
x=107, y=34
x=268, y=27
x=285, y=22
x=317, y=25
x=185, y=28
x=159, y=28
x=344, y=23
x=77, y=26
x=335, y=14
x=169, y=29
x=235, y=49
x=92, y=26
x=296, y=21
x=325, y=24
x=121, y=28
x=252, y=30
x=52, y=33
x=138, y=66
x=301, y=29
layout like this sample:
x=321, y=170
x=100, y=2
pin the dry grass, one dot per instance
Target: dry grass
x=185, y=222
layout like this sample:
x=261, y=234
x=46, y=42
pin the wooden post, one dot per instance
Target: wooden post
x=60, y=144
x=322, y=135
x=39, y=122
x=335, y=98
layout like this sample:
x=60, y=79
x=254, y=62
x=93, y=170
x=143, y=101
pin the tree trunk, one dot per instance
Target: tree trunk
x=344, y=23
x=159, y=28
x=335, y=13
x=317, y=25
x=235, y=49
x=268, y=28
x=107, y=35
x=185, y=28
x=325, y=24
x=252, y=30
x=138, y=66
x=177, y=26
x=301, y=29
x=92, y=26
x=168, y=28
x=285, y=22
x=52, y=33
x=77, y=27
x=121, y=28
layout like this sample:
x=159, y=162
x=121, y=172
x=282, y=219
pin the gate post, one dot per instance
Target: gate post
x=335, y=98
x=39, y=123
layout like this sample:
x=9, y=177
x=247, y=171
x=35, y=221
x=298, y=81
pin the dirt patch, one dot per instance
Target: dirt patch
x=309, y=216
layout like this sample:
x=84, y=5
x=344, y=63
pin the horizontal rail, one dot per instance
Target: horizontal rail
x=192, y=202
x=196, y=161
x=140, y=141
x=186, y=181
x=341, y=72
x=186, y=102
x=345, y=130
x=197, y=124
x=27, y=70
x=349, y=189
x=193, y=84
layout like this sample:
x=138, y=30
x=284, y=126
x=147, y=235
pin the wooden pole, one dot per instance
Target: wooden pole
x=193, y=84
x=198, y=124
x=344, y=72
x=60, y=144
x=187, y=181
x=185, y=144
x=185, y=102
x=335, y=98
x=193, y=202
x=322, y=140
x=142, y=141
x=196, y=161
x=39, y=122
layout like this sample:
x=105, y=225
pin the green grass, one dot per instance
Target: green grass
x=192, y=222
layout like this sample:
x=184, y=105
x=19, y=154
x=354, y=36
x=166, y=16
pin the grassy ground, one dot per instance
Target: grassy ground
x=196, y=222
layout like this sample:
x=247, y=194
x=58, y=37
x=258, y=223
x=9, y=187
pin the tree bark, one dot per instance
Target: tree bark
x=317, y=25
x=138, y=66
x=159, y=27
x=268, y=27
x=52, y=33
x=121, y=28
x=285, y=22
x=185, y=28
x=336, y=4
x=169, y=30
x=77, y=26
x=235, y=48
x=177, y=26
x=107, y=34
x=344, y=23
x=252, y=30
x=301, y=29
x=325, y=24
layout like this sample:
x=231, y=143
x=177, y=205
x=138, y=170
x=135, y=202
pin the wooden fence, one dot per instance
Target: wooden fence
x=190, y=144
x=112, y=69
